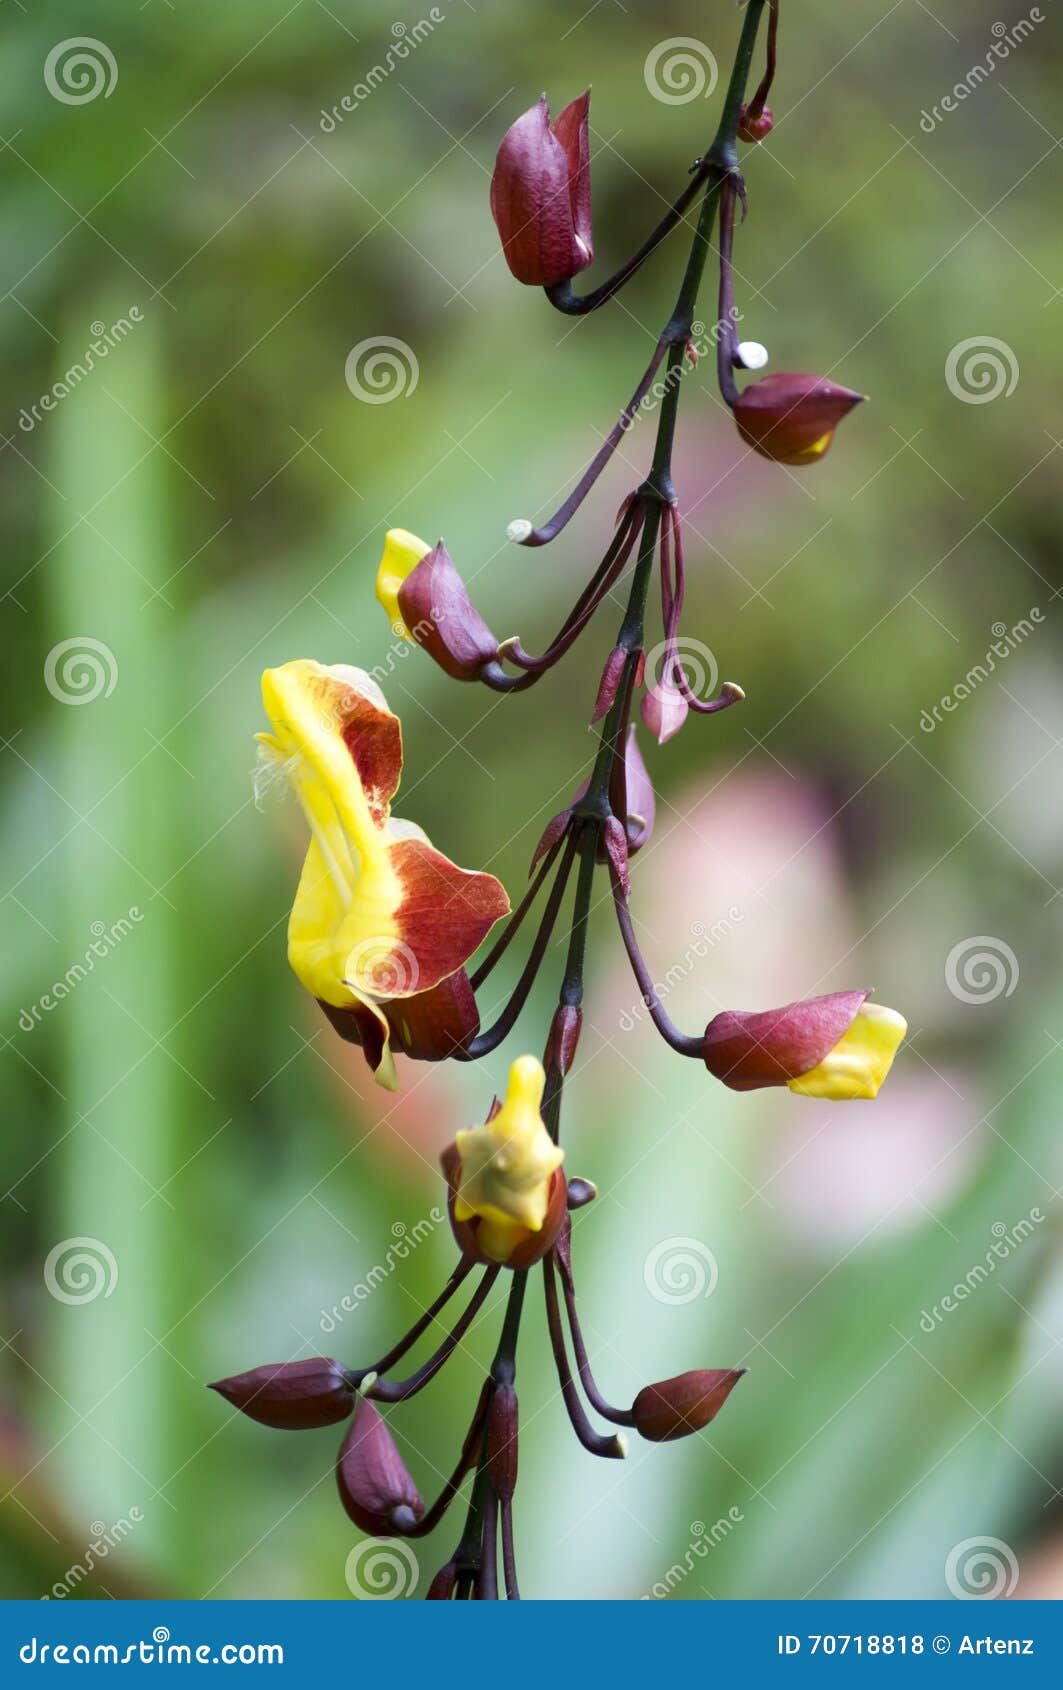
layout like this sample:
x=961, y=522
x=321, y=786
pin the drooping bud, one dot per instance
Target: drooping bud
x=754, y=125
x=664, y=710
x=791, y=418
x=541, y=194
x=614, y=840
x=502, y=1424
x=641, y=805
x=293, y=1396
x=676, y=1407
x=375, y=1487
x=435, y=606
x=506, y=1191
x=834, y=1047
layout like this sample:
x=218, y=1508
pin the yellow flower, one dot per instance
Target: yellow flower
x=860, y=1061
x=379, y=914
x=507, y=1165
x=403, y=551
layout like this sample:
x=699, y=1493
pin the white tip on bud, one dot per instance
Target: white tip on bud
x=731, y=689
x=366, y=1385
x=519, y=529
x=751, y=355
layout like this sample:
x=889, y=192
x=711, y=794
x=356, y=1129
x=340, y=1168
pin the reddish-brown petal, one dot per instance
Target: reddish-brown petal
x=787, y=416
x=534, y=200
x=747, y=1049
x=444, y=913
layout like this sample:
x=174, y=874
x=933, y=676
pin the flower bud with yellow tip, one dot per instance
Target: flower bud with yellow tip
x=834, y=1047
x=507, y=1191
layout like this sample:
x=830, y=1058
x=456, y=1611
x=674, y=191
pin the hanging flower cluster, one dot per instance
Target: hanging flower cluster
x=383, y=924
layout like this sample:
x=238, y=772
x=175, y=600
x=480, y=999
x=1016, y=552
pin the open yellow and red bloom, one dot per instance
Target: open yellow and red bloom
x=381, y=919
x=507, y=1194
x=835, y=1047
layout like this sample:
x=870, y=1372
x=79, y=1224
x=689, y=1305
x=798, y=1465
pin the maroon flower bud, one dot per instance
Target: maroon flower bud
x=429, y=1027
x=677, y=1407
x=441, y=1588
x=755, y=125
x=564, y=1037
x=791, y=418
x=747, y=1050
x=641, y=806
x=440, y=615
x=375, y=1488
x=293, y=1396
x=502, y=1421
x=541, y=194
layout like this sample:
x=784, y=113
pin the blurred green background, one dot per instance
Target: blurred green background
x=211, y=499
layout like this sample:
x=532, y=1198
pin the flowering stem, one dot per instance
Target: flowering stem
x=383, y=1390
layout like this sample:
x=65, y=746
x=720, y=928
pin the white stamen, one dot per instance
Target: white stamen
x=751, y=355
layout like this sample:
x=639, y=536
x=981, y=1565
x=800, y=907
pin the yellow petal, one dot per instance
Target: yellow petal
x=860, y=1061
x=403, y=551
x=507, y=1164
